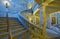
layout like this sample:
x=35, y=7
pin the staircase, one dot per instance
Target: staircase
x=16, y=30
x=51, y=32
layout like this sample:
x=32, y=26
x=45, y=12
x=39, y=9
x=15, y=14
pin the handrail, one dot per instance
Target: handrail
x=33, y=17
x=27, y=21
x=31, y=27
x=8, y=28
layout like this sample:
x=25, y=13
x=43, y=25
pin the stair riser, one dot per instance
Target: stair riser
x=3, y=23
x=6, y=37
x=26, y=36
x=14, y=24
x=3, y=26
x=3, y=30
x=17, y=31
x=15, y=37
x=13, y=20
x=12, y=27
x=15, y=28
x=2, y=36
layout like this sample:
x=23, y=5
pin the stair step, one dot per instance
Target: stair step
x=3, y=30
x=3, y=34
x=3, y=23
x=16, y=26
x=22, y=36
x=2, y=19
x=14, y=23
x=17, y=30
x=3, y=26
x=5, y=37
x=26, y=36
x=19, y=33
x=13, y=28
x=12, y=20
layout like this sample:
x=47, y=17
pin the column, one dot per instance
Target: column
x=44, y=20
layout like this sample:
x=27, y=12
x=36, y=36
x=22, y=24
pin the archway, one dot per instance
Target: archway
x=54, y=19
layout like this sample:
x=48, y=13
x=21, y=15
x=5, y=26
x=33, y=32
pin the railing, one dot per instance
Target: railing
x=32, y=18
x=35, y=30
x=8, y=28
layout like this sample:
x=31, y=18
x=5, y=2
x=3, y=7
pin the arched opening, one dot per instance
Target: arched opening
x=55, y=19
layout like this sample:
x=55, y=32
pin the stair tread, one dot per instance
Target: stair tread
x=3, y=28
x=6, y=37
x=3, y=33
x=17, y=29
x=15, y=26
x=2, y=19
x=22, y=36
x=2, y=22
x=14, y=22
x=19, y=33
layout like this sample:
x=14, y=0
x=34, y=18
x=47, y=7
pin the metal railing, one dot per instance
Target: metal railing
x=35, y=30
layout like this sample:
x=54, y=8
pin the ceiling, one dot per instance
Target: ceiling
x=51, y=5
x=15, y=6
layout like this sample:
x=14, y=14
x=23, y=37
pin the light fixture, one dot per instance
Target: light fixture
x=6, y=2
